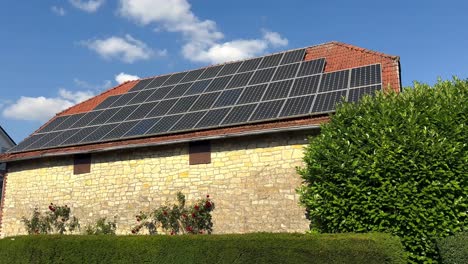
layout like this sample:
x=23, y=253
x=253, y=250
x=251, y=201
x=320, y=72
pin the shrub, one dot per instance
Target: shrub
x=57, y=219
x=102, y=227
x=249, y=248
x=393, y=163
x=178, y=218
x=454, y=249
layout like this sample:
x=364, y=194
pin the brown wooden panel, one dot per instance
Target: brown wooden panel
x=199, y=152
x=82, y=163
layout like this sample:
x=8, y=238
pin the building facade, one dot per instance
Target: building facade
x=248, y=168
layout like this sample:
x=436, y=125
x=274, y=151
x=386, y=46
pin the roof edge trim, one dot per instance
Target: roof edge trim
x=170, y=142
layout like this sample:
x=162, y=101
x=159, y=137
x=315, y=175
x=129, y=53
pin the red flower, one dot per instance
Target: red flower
x=193, y=215
x=196, y=207
x=207, y=196
x=133, y=231
x=184, y=215
x=207, y=204
x=172, y=233
x=189, y=228
x=165, y=213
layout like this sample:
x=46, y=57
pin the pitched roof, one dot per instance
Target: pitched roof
x=287, y=89
x=7, y=137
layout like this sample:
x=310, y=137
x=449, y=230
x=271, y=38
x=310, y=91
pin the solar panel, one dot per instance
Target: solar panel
x=365, y=75
x=198, y=87
x=297, y=106
x=293, y=56
x=124, y=99
x=334, y=81
x=69, y=121
x=250, y=65
x=178, y=90
x=213, y=117
x=192, y=75
x=311, y=67
x=271, y=61
x=188, y=121
x=120, y=130
x=61, y=138
x=41, y=141
x=99, y=133
x=230, y=68
x=205, y=101
x=175, y=78
x=262, y=76
x=326, y=102
x=183, y=104
x=218, y=84
x=356, y=94
x=240, y=80
x=86, y=119
x=25, y=143
x=252, y=94
x=122, y=114
x=103, y=116
x=141, y=85
x=239, y=114
x=142, y=126
x=228, y=97
x=210, y=72
x=162, y=108
x=142, y=111
x=159, y=94
x=259, y=89
x=141, y=96
x=53, y=124
x=164, y=125
x=107, y=102
x=277, y=90
x=267, y=110
x=286, y=72
x=77, y=137
x=157, y=82
x=306, y=85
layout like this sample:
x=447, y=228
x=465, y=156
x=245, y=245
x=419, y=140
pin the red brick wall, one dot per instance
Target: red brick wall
x=341, y=56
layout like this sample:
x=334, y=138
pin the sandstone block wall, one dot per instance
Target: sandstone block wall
x=251, y=179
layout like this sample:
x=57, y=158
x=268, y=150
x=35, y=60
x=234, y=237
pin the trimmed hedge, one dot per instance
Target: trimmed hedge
x=249, y=248
x=454, y=249
x=393, y=163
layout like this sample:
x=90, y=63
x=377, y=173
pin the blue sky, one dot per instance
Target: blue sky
x=55, y=53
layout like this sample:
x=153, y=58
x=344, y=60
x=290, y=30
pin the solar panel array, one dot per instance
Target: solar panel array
x=256, y=90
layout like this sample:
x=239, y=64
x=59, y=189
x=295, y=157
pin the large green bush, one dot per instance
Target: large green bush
x=251, y=248
x=454, y=249
x=393, y=163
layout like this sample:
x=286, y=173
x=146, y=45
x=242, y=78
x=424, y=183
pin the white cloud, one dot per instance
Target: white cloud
x=58, y=10
x=202, y=37
x=90, y=6
x=274, y=38
x=126, y=49
x=42, y=108
x=124, y=77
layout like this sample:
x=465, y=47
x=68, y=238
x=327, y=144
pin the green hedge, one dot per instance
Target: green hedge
x=250, y=248
x=454, y=249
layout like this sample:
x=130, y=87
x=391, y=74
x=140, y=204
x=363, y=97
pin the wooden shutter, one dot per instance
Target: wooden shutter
x=199, y=152
x=82, y=163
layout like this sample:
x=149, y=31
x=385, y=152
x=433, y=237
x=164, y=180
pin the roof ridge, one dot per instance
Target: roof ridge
x=353, y=47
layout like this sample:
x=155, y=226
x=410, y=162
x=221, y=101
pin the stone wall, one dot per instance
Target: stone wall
x=251, y=179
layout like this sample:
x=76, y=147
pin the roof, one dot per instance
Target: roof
x=282, y=90
x=7, y=137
